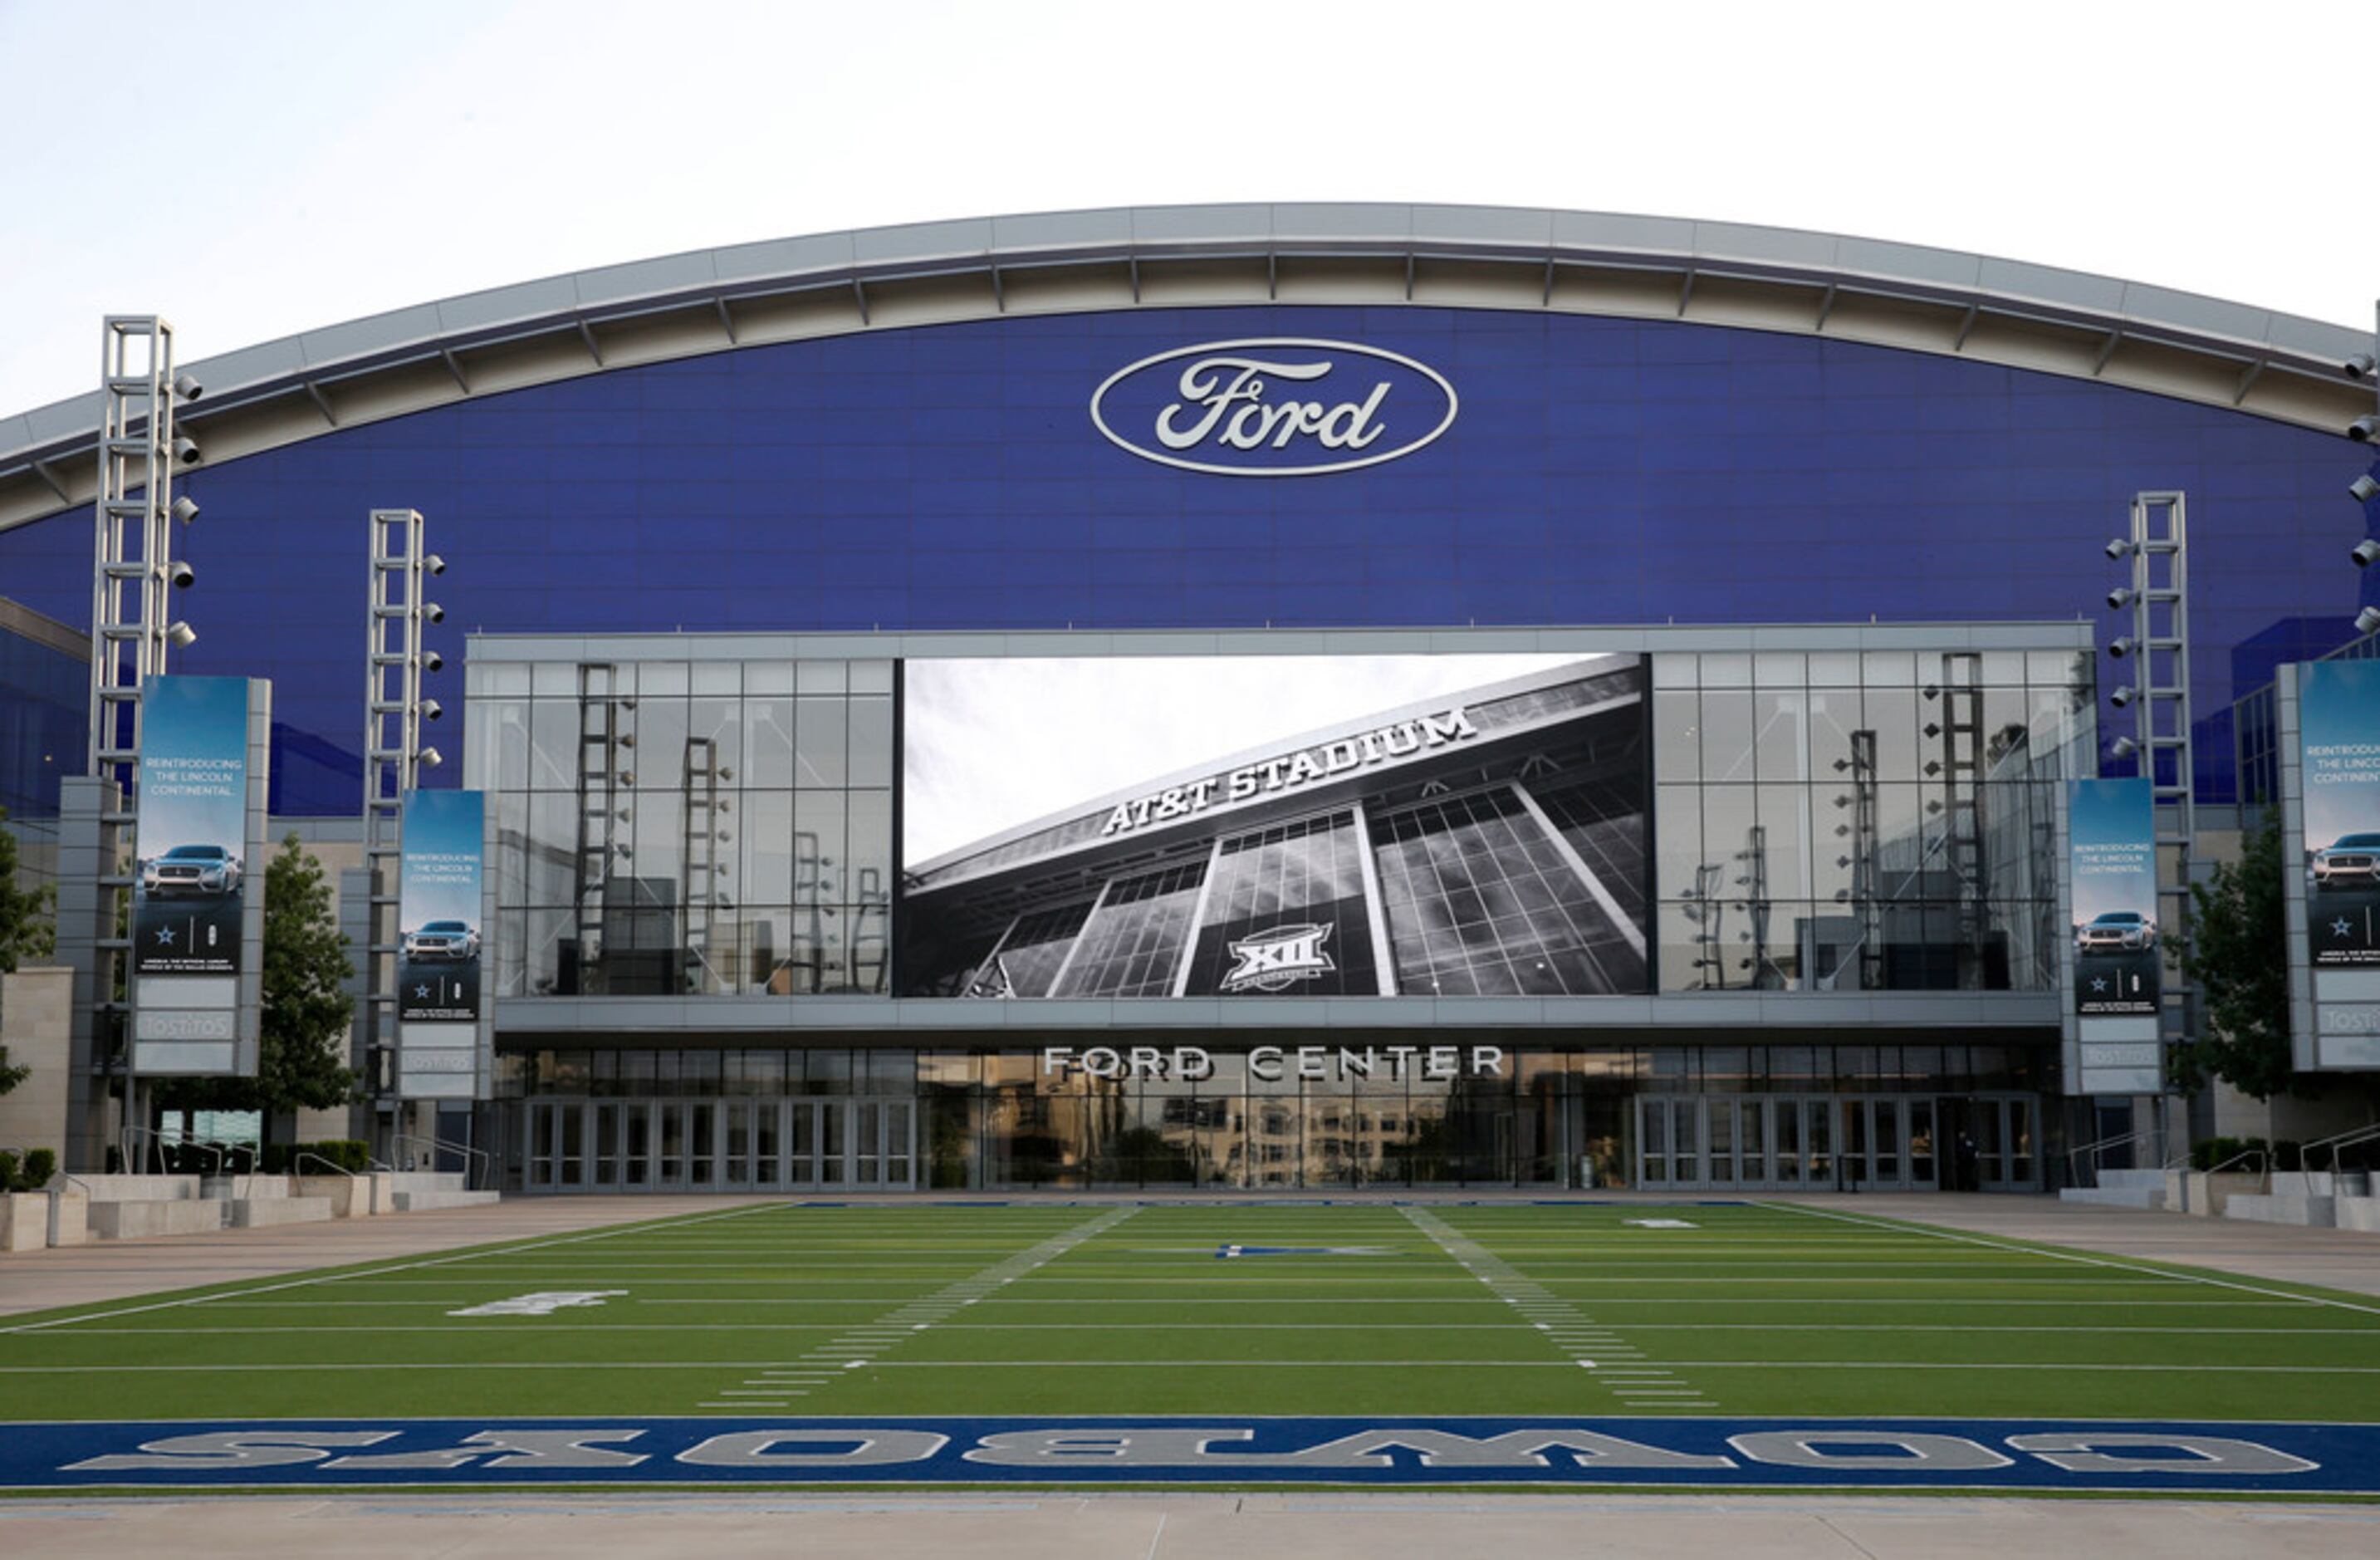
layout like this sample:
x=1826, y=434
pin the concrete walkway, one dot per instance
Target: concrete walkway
x=1218, y=1526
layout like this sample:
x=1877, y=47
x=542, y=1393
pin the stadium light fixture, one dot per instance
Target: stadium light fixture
x=185, y=509
x=2363, y=490
x=433, y=563
x=181, y=636
x=431, y=661
x=181, y=575
x=431, y=708
x=189, y=389
x=2119, y=548
x=2123, y=747
x=2357, y=366
x=185, y=449
x=2121, y=597
x=2122, y=696
x=2365, y=428
x=2366, y=552
x=2121, y=646
x=2367, y=621
x=431, y=758
x=433, y=613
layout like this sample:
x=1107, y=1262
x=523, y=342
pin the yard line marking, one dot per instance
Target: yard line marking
x=2087, y=1262
x=1524, y=1294
x=398, y=1267
x=856, y=1347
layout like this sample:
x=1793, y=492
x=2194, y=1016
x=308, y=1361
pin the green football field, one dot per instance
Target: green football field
x=1513, y=1310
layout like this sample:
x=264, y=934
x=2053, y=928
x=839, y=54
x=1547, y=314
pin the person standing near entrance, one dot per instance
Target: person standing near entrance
x=1965, y=1161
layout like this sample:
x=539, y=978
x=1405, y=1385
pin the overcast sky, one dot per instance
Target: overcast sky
x=251, y=168
x=988, y=745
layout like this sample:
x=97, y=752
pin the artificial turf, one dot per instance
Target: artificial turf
x=1507, y=1310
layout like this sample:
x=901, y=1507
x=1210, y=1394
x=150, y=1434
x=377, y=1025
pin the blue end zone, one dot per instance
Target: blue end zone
x=2194, y=1459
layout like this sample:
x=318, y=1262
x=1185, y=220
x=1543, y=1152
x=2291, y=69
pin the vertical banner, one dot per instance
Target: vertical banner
x=197, y=906
x=2339, y=727
x=2112, y=844
x=441, y=882
x=193, y=829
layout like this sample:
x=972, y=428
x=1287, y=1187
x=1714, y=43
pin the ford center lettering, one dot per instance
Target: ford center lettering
x=1274, y=407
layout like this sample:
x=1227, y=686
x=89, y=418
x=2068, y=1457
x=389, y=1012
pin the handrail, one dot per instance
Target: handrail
x=2074, y=1169
x=302, y=1155
x=128, y=1133
x=441, y=1145
x=2264, y=1157
x=2337, y=1140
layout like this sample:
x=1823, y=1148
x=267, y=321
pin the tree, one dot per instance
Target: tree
x=27, y=930
x=302, y=1061
x=2239, y=953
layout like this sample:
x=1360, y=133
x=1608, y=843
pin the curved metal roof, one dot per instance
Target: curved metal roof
x=2263, y=362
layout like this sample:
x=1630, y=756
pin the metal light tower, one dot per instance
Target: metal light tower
x=132, y=633
x=394, y=755
x=2158, y=700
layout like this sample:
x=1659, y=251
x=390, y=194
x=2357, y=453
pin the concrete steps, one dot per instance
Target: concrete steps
x=423, y=1201
x=2122, y=1189
x=258, y=1212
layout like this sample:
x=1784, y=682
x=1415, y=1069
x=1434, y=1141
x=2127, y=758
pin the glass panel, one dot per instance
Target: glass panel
x=1722, y=1141
x=607, y=1145
x=639, y=1145
x=1818, y=1127
x=573, y=1144
x=869, y=1148
x=1921, y=1142
x=1887, y=1141
x=767, y=1142
x=1855, y=1142
x=2019, y=1138
x=702, y=1143
x=739, y=1143
x=1789, y=1141
x=673, y=1145
x=801, y=1144
x=1686, y=1158
x=1750, y=1148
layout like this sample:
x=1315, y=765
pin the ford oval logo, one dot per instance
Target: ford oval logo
x=1281, y=407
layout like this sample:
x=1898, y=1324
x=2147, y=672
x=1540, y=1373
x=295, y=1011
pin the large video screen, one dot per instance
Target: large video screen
x=1244, y=827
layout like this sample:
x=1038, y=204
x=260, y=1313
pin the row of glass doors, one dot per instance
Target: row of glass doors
x=728, y=1145
x=1837, y=1142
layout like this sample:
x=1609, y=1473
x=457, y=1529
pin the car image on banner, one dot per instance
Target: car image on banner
x=2340, y=723
x=189, y=884
x=438, y=907
x=2113, y=851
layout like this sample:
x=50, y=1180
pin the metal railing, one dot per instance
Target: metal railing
x=2354, y=1137
x=473, y=1176
x=2098, y=1149
x=130, y=1135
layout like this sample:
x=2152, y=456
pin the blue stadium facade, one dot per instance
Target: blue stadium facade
x=1659, y=424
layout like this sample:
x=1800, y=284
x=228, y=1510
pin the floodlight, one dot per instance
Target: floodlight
x=2365, y=428
x=431, y=661
x=189, y=389
x=2357, y=366
x=185, y=449
x=2121, y=646
x=2119, y=548
x=2363, y=490
x=181, y=636
x=433, y=563
x=2367, y=621
x=2366, y=552
x=2123, y=747
x=431, y=708
x=433, y=611
x=185, y=509
x=2122, y=696
x=2121, y=597
x=431, y=758
x=181, y=575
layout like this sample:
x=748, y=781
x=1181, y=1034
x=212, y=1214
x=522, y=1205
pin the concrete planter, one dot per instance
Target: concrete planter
x=351, y=1197
x=24, y=1221
x=2209, y=1193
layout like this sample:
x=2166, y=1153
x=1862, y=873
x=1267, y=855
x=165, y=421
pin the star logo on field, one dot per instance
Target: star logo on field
x=165, y=937
x=421, y=990
x=2098, y=982
x=2340, y=927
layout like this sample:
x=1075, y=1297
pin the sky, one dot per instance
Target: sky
x=253, y=168
x=989, y=744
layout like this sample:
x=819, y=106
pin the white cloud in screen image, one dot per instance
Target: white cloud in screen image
x=990, y=744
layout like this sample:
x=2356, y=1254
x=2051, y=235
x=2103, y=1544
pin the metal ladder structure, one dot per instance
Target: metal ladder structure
x=600, y=778
x=393, y=757
x=1960, y=725
x=2158, y=597
x=701, y=834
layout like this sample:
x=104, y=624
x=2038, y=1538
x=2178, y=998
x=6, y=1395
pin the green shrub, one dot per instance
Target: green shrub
x=39, y=1165
x=7, y=1171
